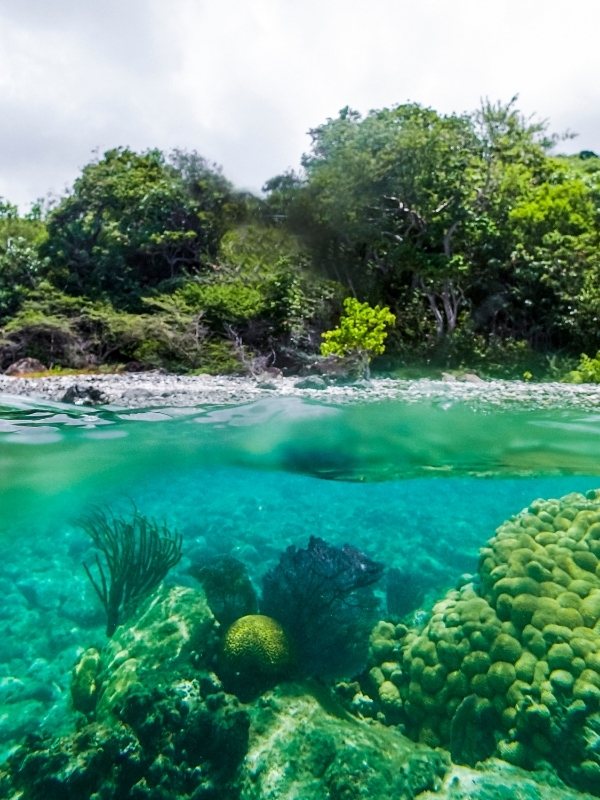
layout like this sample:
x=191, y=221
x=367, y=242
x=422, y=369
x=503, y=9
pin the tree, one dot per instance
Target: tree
x=261, y=293
x=553, y=228
x=134, y=220
x=391, y=198
x=21, y=268
x=360, y=335
x=451, y=220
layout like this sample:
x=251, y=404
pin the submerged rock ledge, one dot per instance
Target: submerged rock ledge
x=151, y=389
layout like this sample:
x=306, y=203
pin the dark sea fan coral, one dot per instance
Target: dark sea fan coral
x=138, y=553
x=323, y=597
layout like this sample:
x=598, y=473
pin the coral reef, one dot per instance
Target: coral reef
x=323, y=597
x=509, y=668
x=157, y=722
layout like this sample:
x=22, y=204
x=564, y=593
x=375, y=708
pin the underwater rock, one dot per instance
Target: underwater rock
x=301, y=745
x=512, y=667
x=173, y=630
x=159, y=724
x=497, y=780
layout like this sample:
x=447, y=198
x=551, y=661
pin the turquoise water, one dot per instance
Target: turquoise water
x=419, y=487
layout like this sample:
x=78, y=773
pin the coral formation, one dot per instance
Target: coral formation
x=138, y=553
x=84, y=681
x=511, y=667
x=154, y=721
x=256, y=652
x=227, y=586
x=323, y=597
x=158, y=721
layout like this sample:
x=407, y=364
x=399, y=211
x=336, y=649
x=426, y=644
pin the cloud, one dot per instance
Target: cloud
x=242, y=81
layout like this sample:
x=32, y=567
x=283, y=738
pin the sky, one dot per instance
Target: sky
x=243, y=81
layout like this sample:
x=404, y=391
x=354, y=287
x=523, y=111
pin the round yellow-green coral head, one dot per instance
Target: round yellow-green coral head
x=256, y=644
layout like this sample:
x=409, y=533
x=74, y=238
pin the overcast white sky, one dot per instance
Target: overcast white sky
x=242, y=81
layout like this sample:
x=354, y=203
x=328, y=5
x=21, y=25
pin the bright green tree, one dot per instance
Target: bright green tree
x=360, y=335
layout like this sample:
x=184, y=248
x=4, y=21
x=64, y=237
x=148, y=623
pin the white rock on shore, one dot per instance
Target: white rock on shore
x=152, y=389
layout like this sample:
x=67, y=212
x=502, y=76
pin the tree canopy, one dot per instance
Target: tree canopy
x=134, y=220
x=452, y=217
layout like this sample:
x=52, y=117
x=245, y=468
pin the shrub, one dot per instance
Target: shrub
x=587, y=371
x=227, y=302
x=361, y=333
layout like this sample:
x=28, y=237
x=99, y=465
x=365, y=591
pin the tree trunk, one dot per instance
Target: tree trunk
x=445, y=305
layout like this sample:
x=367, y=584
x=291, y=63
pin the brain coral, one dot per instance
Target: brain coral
x=255, y=649
x=511, y=667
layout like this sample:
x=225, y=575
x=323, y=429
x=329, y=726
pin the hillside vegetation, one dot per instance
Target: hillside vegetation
x=482, y=244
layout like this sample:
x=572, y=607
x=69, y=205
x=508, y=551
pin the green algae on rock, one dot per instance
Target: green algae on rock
x=84, y=681
x=158, y=723
x=299, y=749
x=497, y=780
x=510, y=668
x=300, y=746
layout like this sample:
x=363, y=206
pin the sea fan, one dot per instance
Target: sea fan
x=137, y=554
x=323, y=597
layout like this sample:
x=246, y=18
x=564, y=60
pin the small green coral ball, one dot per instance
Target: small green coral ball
x=256, y=644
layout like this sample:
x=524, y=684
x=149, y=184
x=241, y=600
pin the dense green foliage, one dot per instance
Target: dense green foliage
x=455, y=222
x=483, y=246
x=587, y=371
x=133, y=221
x=20, y=263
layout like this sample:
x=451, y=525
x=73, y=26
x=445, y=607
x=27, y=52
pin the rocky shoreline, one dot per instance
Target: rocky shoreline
x=155, y=389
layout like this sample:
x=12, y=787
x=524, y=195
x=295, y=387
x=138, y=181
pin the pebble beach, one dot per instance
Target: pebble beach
x=153, y=389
